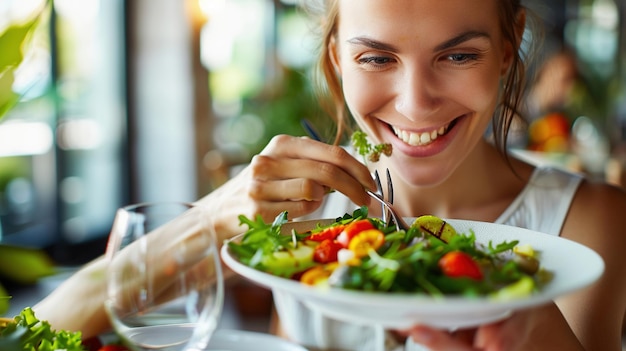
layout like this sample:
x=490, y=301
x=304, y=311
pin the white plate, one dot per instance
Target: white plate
x=574, y=267
x=237, y=340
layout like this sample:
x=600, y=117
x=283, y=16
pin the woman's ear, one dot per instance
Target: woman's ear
x=333, y=52
x=512, y=48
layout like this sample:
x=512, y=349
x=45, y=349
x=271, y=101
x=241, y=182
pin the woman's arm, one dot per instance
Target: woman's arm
x=597, y=219
x=77, y=304
x=291, y=174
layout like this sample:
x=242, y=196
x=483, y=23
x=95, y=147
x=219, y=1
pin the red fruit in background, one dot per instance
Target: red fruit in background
x=550, y=133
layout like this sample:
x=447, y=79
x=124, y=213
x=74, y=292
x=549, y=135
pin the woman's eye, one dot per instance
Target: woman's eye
x=462, y=58
x=375, y=60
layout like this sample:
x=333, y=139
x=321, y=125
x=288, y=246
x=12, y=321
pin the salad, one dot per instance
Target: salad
x=358, y=252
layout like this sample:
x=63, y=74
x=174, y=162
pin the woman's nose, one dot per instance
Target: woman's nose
x=417, y=93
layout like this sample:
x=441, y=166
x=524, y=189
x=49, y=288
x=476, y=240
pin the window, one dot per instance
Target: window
x=63, y=151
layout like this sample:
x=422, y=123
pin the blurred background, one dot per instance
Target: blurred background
x=122, y=101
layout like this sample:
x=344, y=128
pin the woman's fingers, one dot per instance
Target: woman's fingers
x=435, y=340
x=288, y=147
x=317, y=167
x=280, y=179
x=300, y=189
x=291, y=174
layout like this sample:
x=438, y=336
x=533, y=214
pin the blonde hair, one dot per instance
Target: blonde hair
x=328, y=84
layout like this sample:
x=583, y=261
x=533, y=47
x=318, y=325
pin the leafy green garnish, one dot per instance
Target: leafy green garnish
x=367, y=150
x=27, y=333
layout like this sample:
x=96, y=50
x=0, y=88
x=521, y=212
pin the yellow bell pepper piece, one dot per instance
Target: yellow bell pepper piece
x=365, y=241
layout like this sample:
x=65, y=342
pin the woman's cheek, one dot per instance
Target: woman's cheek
x=365, y=96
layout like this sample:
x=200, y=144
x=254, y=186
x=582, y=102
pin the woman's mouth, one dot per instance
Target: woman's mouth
x=422, y=138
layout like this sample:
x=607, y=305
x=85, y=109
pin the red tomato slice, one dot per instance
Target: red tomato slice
x=326, y=251
x=352, y=229
x=328, y=233
x=459, y=264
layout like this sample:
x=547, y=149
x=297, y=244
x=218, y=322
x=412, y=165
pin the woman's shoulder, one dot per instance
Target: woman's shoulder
x=600, y=198
x=597, y=215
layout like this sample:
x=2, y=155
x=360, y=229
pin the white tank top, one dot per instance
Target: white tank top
x=541, y=206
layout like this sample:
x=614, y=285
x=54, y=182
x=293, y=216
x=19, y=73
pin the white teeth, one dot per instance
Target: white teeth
x=419, y=139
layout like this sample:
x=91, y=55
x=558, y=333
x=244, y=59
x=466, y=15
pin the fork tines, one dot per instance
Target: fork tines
x=379, y=190
x=389, y=187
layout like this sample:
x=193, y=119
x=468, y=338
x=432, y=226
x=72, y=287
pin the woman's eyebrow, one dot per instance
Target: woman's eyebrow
x=373, y=44
x=459, y=39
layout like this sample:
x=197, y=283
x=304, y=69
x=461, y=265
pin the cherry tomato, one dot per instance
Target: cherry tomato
x=114, y=348
x=92, y=344
x=326, y=251
x=328, y=233
x=459, y=264
x=366, y=240
x=353, y=229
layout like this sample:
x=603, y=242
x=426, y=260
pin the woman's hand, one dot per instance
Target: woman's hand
x=542, y=328
x=291, y=174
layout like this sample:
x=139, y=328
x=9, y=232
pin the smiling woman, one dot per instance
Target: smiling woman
x=427, y=77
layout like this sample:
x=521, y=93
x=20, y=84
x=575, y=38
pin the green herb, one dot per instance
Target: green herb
x=27, y=333
x=367, y=150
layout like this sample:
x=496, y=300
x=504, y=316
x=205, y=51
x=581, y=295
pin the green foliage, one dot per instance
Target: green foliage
x=24, y=265
x=4, y=300
x=13, y=45
x=282, y=106
x=7, y=97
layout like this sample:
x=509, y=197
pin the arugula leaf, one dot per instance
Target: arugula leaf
x=502, y=247
x=359, y=213
x=260, y=239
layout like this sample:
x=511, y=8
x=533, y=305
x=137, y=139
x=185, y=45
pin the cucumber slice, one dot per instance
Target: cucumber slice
x=436, y=226
x=290, y=261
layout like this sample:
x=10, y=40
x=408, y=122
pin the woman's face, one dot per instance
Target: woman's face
x=422, y=75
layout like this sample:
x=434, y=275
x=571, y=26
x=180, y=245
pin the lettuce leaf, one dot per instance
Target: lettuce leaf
x=27, y=333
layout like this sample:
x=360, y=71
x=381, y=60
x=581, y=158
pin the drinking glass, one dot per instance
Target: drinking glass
x=164, y=280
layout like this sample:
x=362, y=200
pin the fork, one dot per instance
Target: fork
x=389, y=214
